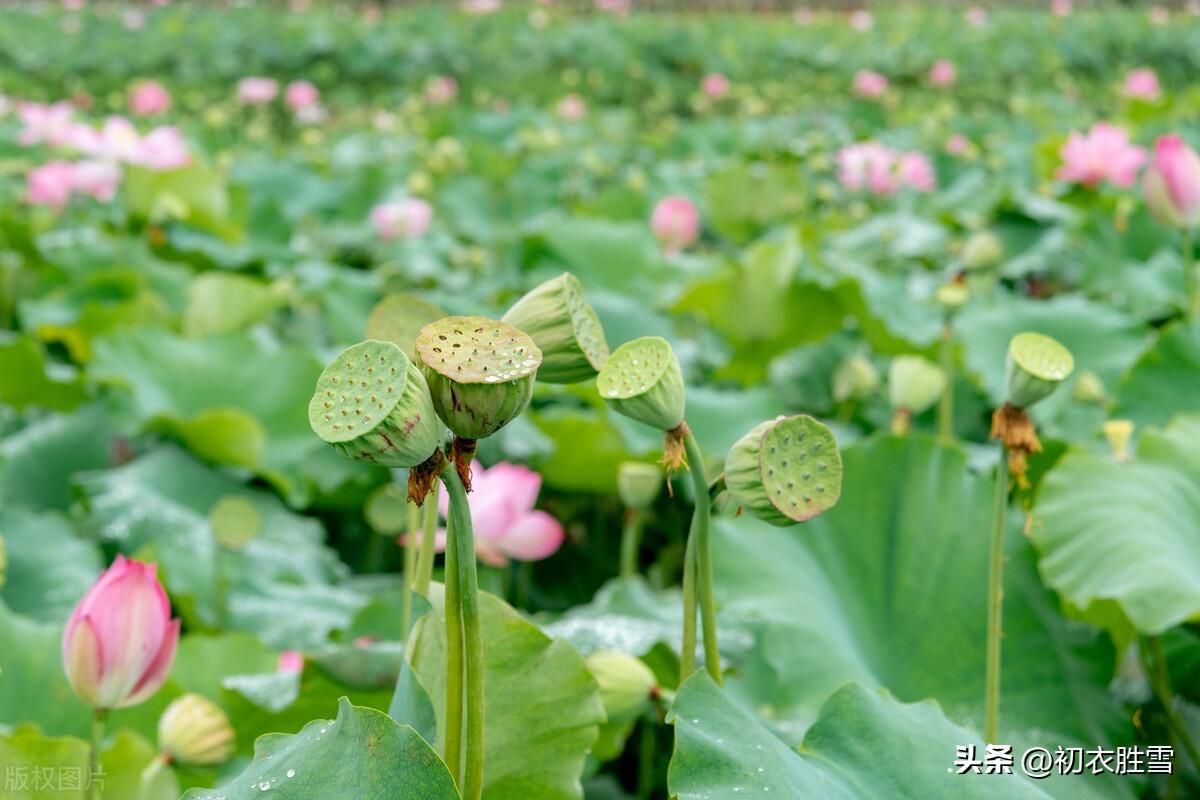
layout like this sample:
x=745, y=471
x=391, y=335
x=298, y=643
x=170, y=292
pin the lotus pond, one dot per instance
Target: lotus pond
x=558, y=400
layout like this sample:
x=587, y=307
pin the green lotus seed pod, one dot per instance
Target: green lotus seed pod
x=642, y=380
x=984, y=249
x=626, y=683
x=639, y=484
x=785, y=470
x=480, y=372
x=372, y=404
x=1037, y=364
x=195, y=731
x=1089, y=388
x=386, y=510
x=565, y=329
x=952, y=296
x=235, y=522
x=914, y=383
x=398, y=318
x=856, y=377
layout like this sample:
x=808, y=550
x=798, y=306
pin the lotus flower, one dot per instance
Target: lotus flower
x=1172, y=183
x=942, y=74
x=147, y=98
x=255, y=91
x=572, y=108
x=441, y=90
x=1142, y=84
x=120, y=640
x=869, y=84
x=675, y=222
x=50, y=184
x=50, y=123
x=98, y=179
x=1104, y=153
x=715, y=86
x=290, y=661
x=882, y=171
x=958, y=145
x=1061, y=8
x=300, y=95
x=401, y=219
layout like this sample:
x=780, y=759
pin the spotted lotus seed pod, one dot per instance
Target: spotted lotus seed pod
x=626, y=683
x=372, y=404
x=914, y=383
x=195, y=731
x=398, y=318
x=785, y=470
x=642, y=380
x=565, y=329
x=639, y=484
x=480, y=372
x=235, y=522
x=1037, y=365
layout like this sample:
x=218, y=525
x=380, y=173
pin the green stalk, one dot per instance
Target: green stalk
x=428, y=542
x=454, y=656
x=373, y=562
x=218, y=584
x=946, y=402
x=410, y=565
x=99, y=718
x=631, y=542
x=645, y=783
x=1154, y=663
x=702, y=529
x=463, y=543
x=1189, y=275
x=687, y=653
x=996, y=599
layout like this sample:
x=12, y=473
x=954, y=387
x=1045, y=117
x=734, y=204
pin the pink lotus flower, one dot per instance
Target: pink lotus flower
x=50, y=184
x=290, y=661
x=958, y=145
x=300, y=95
x=1061, y=8
x=1142, y=84
x=915, y=172
x=976, y=17
x=868, y=83
x=675, y=222
x=502, y=512
x=404, y=219
x=120, y=640
x=441, y=90
x=942, y=74
x=1104, y=153
x=49, y=123
x=97, y=179
x=162, y=149
x=480, y=7
x=715, y=85
x=254, y=91
x=882, y=171
x=147, y=98
x=572, y=108
x=862, y=20
x=1172, y=183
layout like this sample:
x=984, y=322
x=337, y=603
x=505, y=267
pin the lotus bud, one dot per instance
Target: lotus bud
x=856, y=377
x=785, y=470
x=196, y=732
x=1037, y=365
x=626, y=684
x=1172, y=183
x=1119, y=432
x=914, y=384
x=565, y=329
x=398, y=318
x=642, y=381
x=120, y=640
x=1089, y=388
x=982, y=250
x=235, y=522
x=480, y=373
x=372, y=404
x=386, y=510
x=952, y=296
x=638, y=484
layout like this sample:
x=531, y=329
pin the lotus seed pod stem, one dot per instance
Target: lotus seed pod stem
x=564, y=327
x=785, y=470
x=196, y=732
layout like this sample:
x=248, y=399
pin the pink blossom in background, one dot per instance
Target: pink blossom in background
x=401, y=219
x=255, y=91
x=301, y=94
x=958, y=145
x=96, y=179
x=1142, y=84
x=45, y=123
x=1102, y=154
x=675, y=221
x=1061, y=8
x=290, y=661
x=976, y=17
x=572, y=108
x=478, y=7
x=620, y=8
x=942, y=74
x=868, y=83
x=441, y=90
x=73, y=5
x=862, y=20
x=120, y=640
x=147, y=98
x=162, y=149
x=882, y=171
x=714, y=85
x=1172, y=183
x=915, y=172
x=51, y=184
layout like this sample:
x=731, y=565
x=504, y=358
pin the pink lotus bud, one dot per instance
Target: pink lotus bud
x=1172, y=183
x=572, y=108
x=147, y=98
x=401, y=219
x=676, y=223
x=300, y=95
x=120, y=640
x=958, y=145
x=942, y=74
x=715, y=85
x=869, y=84
x=441, y=91
x=50, y=184
x=290, y=661
x=254, y=91
x=1142, y=84
x=1061, y=8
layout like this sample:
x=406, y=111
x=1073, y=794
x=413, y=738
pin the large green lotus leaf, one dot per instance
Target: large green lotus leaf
x=195, y=194
x=49, y=567
x=363, y=753
x=889, y=589
x=33, y=687
x=542, y=706
x=613, y=255
x=40, y=767
x=864, y=744
x=282, y=585
x=1165, y=381
x=38, y=461
x=27, y=380
x=222, y=303
x=1126, y=533
x=744, y=198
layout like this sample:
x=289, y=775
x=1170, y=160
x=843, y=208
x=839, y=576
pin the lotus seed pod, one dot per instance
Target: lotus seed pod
x=386, y=510
x=196, y=732
x=1119, y=432
x=914, y=383
x=639, y=484
x=785, y=470
x=398, y=318
x=480, y=372
x=565, y=329
x=626, y=683
x=642, y=380
x=372, y=404
x=952, y=296
x=235, y=522
x=1037, y=364
x=982, y=250
x=856, y=377
x=1089, y=388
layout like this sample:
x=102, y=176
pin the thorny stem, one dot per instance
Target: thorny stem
x=454, y=657
x=702, y=531
x=99, y=718
x=995, y=599
x=1154, y=663
x=631, y=542
x=429, y=510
